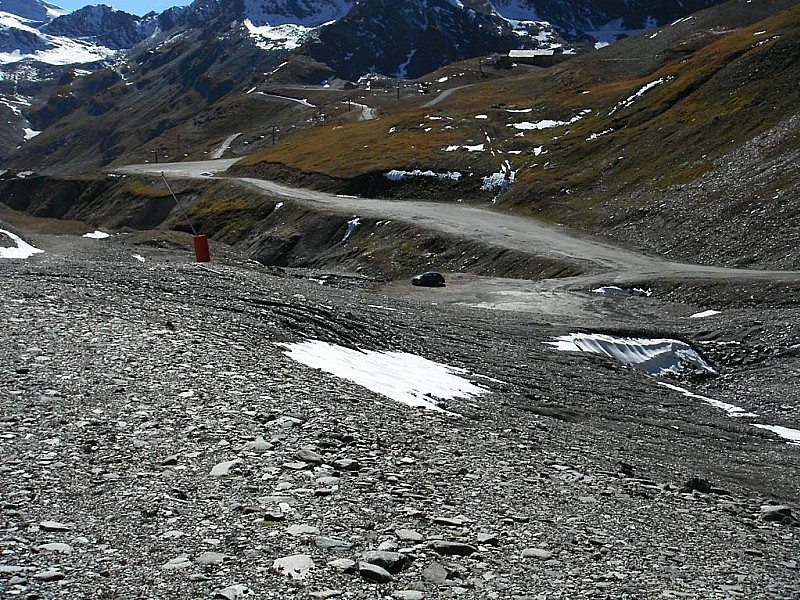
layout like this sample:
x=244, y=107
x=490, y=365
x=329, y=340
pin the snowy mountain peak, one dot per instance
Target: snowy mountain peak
x=100, y=24
x=306, y=13
x=32, y=10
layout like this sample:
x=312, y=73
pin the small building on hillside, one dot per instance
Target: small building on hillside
x=537, y=58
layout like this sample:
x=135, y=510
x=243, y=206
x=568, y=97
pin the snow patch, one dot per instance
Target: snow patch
x=704, y=314
x=21, y=249
x=594, y=136
x=396, y=175
x=280, y=37
x=641, y=92
x=97, y=235
x=787, y=433
x=731, y=409
x=501, y=180
x=548, y=123
x=352, y=224
x=653, y=356
x=613, y=290
x=403, y=377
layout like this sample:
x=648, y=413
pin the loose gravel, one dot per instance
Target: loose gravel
x=157, y=442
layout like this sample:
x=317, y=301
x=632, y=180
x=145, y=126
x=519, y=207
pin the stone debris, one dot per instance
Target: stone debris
x=167, y=449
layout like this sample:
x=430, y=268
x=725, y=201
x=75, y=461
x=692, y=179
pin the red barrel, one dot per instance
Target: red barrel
x=201, y=251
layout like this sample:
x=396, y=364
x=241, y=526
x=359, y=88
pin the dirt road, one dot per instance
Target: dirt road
x=602, y=263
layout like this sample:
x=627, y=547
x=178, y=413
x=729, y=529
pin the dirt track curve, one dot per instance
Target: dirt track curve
x=602, y=263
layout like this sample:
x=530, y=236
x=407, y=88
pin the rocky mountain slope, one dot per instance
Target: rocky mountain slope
x=324, y=40
x=680, y=141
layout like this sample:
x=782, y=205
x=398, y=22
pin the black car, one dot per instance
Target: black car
x=428, y=279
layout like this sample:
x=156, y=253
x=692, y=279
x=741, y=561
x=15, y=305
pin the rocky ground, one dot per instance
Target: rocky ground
x=157, y=442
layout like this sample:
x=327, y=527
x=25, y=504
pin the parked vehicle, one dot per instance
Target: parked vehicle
x=428, y=279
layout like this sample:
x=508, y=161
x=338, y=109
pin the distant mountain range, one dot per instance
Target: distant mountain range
x=206, y=48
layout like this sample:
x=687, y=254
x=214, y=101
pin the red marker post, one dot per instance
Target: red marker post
x=201, y=250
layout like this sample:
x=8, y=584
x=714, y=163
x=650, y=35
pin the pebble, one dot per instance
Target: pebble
x=536, y=553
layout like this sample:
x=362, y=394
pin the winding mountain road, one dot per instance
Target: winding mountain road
x=601, y=263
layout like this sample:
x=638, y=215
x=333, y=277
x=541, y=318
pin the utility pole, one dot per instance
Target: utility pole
x=274, y=130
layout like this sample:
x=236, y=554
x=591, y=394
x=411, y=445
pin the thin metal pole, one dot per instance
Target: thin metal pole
x=174, y=197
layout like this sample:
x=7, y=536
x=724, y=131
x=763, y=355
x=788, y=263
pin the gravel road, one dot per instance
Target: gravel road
x=603, y=262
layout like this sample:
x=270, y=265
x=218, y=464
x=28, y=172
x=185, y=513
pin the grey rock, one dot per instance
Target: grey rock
x=296, y=465
x=177, y=563
x=298, y=530
x=54, y=526
x=296, y=566
x=223, y=469
x=257, y=445
x=347, y=464
x=309, y=456
x=488, y=539
x=452, y=548
x=449, y=521
x=169, y=461
x=232, y=592
x=408, y=595
x=325, y=594
x=777, y=513
x=211, y=558
x=345, y=565
x=409, y=535
x=394, y=562
x=327, y=543
x=59, y=547
x=9, y=569
x=49, y=575
x=374, y=573
x=435, y=573
x=536, y=553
